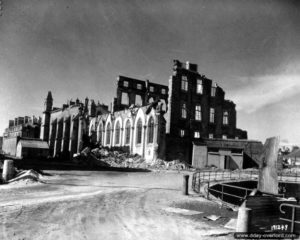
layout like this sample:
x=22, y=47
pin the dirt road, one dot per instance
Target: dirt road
x=102, y=205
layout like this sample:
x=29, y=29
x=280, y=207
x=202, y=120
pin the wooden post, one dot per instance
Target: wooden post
x=268, y=178
x=8, y=170
x=244, y=219
x=185, y=189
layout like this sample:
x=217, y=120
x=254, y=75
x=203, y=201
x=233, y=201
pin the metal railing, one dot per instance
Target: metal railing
x=292, y=220
x=222, y=192
x=205, y=176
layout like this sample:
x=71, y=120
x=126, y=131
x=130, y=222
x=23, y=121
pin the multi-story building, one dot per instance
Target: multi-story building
x=197, y=109
x=153, y=120
x=66, y=128
x=136, y=92
x=20, y=127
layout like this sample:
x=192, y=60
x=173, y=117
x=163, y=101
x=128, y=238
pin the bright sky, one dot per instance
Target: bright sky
x=78, y=48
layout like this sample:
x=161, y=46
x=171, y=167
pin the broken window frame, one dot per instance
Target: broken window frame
x=125, y=84
x=183, y=111
x=184, y=83
x=213, y=91
x=199, y=89
x=198, y=116
x=225, y=118
x=212, y=115
x=182, y=132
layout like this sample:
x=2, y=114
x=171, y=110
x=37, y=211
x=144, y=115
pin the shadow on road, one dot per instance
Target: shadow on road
x=70, y=166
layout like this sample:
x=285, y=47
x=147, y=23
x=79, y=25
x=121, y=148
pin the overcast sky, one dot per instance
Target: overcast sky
x=251, y=48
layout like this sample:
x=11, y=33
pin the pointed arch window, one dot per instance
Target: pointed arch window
x=108, y=130
x=100, y=134
x=139, y=128
x=117, y=133
x=150, y=130
x=127, y=132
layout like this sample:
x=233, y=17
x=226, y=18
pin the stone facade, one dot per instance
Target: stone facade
x=20, y=127
x=140, y=130
x=66, y=128
x=197, y=109
x=136, y=92
x=153, y=120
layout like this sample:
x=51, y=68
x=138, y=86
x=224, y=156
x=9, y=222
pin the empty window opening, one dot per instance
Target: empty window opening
x=196, y=134
x=184, y=83
x=127, y=132
x=124, y=98
x=150, y=130
x=108, y=130
x=198, y=113
x=212, y=115
x=225, y=118
x=183, y=110
x=117, y=133
x=139, y=128
x=199, y=86
x=138, y=100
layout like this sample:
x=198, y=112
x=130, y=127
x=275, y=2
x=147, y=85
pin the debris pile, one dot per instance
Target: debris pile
x=27, y=176
x=104, y=157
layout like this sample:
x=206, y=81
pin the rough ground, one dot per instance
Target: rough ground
x=106, y=205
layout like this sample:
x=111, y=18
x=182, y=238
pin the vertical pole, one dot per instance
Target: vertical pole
x=207, y=191
x=222, y=192
x=8, y=170
x=185, y=189
x=244, y=219
x=293, y=220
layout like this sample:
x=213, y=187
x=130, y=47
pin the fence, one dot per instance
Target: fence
x=206, y=176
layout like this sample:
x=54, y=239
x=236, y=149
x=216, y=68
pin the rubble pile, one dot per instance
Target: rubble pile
x=105, y=157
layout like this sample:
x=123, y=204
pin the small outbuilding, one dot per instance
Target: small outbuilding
x=32, y=148
x=226, y=153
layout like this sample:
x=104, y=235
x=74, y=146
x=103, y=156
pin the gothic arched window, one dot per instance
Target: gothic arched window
x=117, y=133
x=108, y=130
x=139, y=129
x=150, y=130
x=100, y=134
x=127, y=132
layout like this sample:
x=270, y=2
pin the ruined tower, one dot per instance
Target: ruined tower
x=46, y=117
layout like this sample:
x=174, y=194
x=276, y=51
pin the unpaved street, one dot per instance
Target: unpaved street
x=102, y=205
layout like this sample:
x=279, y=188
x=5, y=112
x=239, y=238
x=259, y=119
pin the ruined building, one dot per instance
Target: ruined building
x=66, y=128
x=153, y=120
x=21, y=128
x=197, y=109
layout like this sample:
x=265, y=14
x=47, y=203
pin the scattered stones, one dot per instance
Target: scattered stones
x=120, y=159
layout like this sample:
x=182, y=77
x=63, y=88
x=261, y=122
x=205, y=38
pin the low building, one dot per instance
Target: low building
x=28, y=127
x=226, y=153
x=31, y=148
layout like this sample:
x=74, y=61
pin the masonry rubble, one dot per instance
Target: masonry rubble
x=105, y=157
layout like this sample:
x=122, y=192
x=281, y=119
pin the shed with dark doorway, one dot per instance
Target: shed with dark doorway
x=32, y=148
